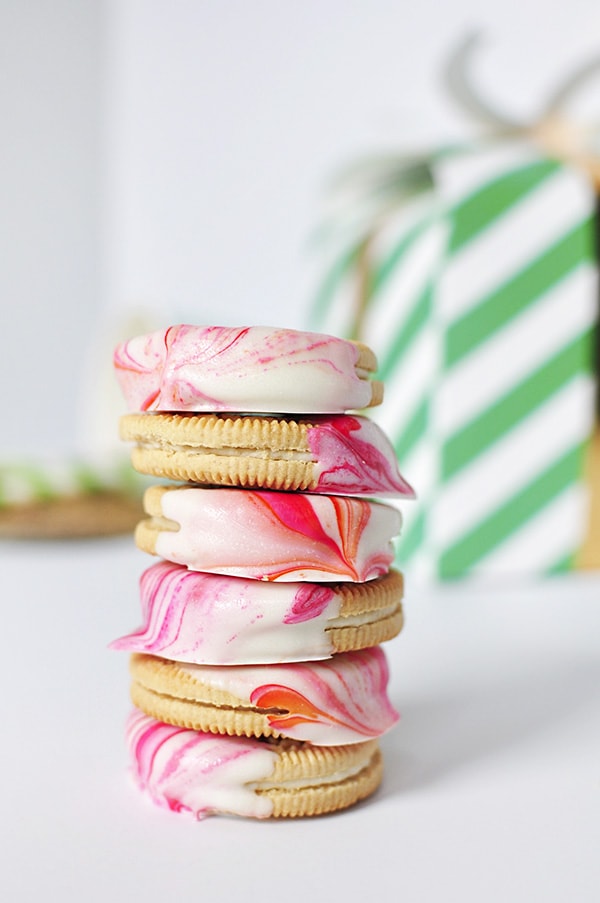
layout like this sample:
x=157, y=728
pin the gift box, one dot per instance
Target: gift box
x=472, y=272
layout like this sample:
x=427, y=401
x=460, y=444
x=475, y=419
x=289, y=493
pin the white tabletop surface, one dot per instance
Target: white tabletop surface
x=492, y=783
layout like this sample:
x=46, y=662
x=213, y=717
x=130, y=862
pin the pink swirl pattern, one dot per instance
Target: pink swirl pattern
x=355, y=458
x=190, y=616
x=343, y=700
x=310, y=601
x=278, y=536
x=201, y=774
x=247, y=369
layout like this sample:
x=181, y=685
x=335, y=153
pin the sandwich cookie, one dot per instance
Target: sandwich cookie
x=338, y=455
x=210, y=619
x=207, y=774
x=269, y=535
x=342, y=700
x=253, y=369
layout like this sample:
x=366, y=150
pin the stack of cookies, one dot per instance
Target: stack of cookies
x=258, y=679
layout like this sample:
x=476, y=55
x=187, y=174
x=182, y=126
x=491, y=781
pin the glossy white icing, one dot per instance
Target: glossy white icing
x=343, y=700
x=213, y=619
x=278, y=536
x=203, y=774
x=253, y=369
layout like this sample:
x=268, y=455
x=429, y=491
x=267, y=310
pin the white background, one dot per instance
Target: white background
x=172, y=157
x=492, y=777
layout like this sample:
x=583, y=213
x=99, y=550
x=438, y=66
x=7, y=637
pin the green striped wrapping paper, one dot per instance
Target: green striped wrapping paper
x=481, y=308
x=399, y=322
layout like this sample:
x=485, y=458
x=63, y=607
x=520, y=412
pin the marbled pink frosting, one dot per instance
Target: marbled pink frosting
x=288, y=536
x=354, y=457
x=249, y=369
x=203, y=774
x=343, y=700
x=210, y=619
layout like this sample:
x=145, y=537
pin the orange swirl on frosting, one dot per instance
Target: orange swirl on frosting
x=341, y=700
x=275, y=536
x=298, y=709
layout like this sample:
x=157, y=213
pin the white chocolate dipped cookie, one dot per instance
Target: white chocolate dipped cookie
x=342, y=700
x=252, y=369
x=266, y=535
x=339, y=455
x=204, y=774
x=211, y=619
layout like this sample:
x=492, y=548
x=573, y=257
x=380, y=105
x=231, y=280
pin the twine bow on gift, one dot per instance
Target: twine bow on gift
x=371, y=191
x=555, y=131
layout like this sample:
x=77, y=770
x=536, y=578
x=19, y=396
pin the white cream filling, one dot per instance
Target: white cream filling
x=229, y=451
x=336, y=778
x=367, y=617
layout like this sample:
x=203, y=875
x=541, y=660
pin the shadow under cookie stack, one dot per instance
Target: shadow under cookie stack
x=258, y=679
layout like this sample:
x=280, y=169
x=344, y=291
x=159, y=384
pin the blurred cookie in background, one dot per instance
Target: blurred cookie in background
x=63, y=500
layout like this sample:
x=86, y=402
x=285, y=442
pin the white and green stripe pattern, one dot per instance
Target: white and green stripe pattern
x=514, y=410
x=481, y=315
x=400, y=324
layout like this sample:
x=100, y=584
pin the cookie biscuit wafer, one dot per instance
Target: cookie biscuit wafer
x=211, y=619
x=269, y=535
x=330, y=791
x=341, y=454
x=330, y=703
x=206, y=774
